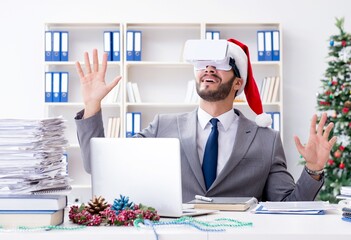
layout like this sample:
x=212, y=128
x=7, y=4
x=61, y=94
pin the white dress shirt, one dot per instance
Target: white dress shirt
x=227, y=128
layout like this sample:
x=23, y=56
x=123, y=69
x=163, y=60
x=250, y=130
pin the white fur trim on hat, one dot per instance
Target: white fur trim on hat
x=263, y=120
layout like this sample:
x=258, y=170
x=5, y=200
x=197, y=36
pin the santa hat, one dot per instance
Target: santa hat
x=240, y=53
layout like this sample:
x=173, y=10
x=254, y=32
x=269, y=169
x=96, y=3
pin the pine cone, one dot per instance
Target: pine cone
x=96, y=205
x=121, y=204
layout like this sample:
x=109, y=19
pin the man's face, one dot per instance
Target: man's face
x=214, y=85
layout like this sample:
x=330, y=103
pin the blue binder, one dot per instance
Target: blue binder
x=268, y=45
x=136, y=122
x=56, y=86
x=48, y=46
x=208, y=35
x=116, y=55
x=64, y=46
x=48, y=87
x=260, y=46
x=107, y=44
x=215, y=35
x=64, y=87
x=130, y=46
x=276, y=45
x=276, y=120
x=56, y=46
x=137, y=45
x=129, y=124
x=212, y=35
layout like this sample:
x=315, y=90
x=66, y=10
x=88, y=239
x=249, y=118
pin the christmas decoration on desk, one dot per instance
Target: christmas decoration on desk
x=335, y=99
x=121, y=213
x=96, y=205
x=216, y=225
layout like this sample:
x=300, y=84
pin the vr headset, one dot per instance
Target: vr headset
x=203, y=53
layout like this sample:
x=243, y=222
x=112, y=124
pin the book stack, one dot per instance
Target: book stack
x=114, y=96
x=113, y=127
x=133, y=93
x=29, y=210
x=345, y=193
x=346, y=214
x=269, y=89
x=32, y=156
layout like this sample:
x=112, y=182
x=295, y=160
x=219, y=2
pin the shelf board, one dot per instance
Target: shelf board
x=73, y=63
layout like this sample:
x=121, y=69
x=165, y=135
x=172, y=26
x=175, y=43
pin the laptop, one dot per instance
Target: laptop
x=147, y=170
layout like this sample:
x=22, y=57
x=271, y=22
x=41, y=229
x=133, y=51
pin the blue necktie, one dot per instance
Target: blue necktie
x=209, y=165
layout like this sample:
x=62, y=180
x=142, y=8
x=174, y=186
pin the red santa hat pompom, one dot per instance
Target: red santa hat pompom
x=240, y=53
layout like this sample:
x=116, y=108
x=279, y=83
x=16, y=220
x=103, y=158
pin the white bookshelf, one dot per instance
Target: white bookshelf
x=161, y=76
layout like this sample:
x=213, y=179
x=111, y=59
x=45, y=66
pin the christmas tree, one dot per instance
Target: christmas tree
x=334, y=98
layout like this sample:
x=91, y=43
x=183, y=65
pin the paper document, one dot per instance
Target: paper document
x=31, y=155
x=301, y=207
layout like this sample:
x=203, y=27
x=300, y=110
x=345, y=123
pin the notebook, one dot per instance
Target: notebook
x=147, y=170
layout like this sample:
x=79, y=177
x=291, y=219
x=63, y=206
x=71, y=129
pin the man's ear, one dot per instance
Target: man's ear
x=238, y=82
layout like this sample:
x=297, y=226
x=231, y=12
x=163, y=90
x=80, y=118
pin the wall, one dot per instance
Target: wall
x=307, y=26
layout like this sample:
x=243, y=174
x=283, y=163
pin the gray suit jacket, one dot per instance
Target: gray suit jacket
x=257, y=165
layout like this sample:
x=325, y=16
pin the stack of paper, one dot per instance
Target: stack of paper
x=31, y=155
x=302, y=207
x=345, y=193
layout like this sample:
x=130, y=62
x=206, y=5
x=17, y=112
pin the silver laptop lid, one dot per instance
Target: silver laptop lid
x=147, y=170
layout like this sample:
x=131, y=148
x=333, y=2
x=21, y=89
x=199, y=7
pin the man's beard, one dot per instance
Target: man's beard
x=215, y=95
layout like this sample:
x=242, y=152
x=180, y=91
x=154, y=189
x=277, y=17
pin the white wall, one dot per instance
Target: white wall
x=307, y=25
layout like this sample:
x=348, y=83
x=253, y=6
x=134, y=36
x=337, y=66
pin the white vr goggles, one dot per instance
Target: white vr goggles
x=203, y=53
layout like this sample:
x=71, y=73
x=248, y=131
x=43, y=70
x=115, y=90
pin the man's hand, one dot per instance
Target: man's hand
x=93, y=85
x=316, y=151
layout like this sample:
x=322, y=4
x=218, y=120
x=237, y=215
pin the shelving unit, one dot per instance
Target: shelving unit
x=161, y=76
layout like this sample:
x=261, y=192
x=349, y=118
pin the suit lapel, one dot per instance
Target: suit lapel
x=187, y=125
x=245, y=135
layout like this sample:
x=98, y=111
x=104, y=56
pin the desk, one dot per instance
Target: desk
x=272, y=227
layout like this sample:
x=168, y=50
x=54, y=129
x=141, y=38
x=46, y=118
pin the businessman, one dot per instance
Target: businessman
x=222, y=152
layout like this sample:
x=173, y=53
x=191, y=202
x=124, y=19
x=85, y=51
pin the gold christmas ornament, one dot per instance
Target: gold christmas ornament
x=347, y=104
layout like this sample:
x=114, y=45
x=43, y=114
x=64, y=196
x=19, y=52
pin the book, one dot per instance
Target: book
x=275, y=95
x=29, y=218
x=136, y=92
x=343, y=196
x=345, y=190
x=225, y=203
x=20, y=202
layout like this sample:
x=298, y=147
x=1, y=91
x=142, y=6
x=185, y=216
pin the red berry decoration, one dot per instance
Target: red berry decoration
x=342, y=165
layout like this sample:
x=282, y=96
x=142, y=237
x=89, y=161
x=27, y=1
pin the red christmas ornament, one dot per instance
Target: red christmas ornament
x=341, y=148
x=337, y=154
x=343, y=43
x=330, y=162
x=334, y=82
x=342, y=165
x=345, y=110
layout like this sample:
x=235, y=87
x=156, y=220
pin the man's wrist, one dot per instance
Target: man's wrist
x=314, y=172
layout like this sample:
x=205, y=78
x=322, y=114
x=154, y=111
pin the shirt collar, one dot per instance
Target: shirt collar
x=226, y=119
